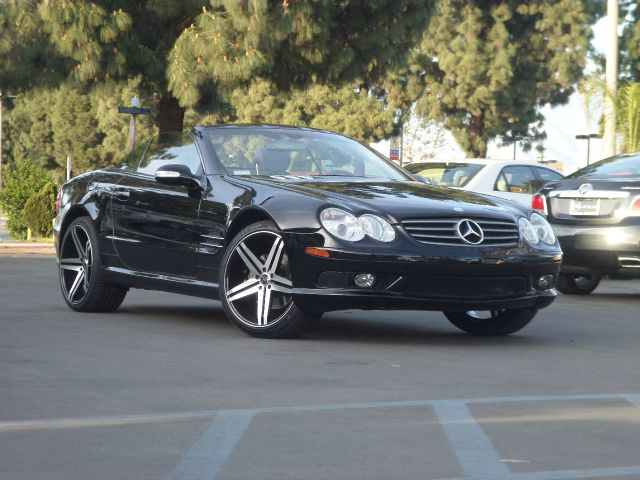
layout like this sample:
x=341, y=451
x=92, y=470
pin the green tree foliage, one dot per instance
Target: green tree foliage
x=25, y=49
x=487, y=67
x=352, y=112
x=95, y=43
x=20, y=182
x=40, y=210
x=48, y=124
x=286, y=48
x=630, y=42
x=628, y=115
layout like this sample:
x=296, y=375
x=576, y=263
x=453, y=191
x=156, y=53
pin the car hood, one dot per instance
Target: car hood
x=398, y=199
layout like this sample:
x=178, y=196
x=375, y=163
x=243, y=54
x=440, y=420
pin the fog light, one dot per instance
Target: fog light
x=544, y=282
x=364, y=280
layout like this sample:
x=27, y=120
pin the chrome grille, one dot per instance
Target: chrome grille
x=444, y=231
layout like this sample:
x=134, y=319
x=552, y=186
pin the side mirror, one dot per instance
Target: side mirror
x=422, y=179
x=177, y=175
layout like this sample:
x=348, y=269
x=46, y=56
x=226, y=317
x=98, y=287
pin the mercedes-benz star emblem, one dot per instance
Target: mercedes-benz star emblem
x=470, y=232
x=585, y=188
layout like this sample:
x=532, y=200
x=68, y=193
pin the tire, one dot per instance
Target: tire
x=255, y=285
x=496, y=322
x=80, y=271
x=573, y=284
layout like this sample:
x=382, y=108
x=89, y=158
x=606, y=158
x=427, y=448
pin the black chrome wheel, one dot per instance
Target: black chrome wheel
x=76, y=264
x=256, y=286
x=492, y=322
x=81, y=276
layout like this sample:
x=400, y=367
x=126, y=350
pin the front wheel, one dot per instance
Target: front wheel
x=493, y=322
x=255, y=285
x=573, y=284
x=80, y=271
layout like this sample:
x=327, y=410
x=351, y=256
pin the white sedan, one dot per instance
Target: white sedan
x=513, y=180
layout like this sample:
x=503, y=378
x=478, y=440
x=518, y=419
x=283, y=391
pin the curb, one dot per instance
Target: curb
x=13, y=248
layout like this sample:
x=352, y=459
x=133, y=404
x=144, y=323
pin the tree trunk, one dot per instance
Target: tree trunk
x=170, y=115
x=477, y=143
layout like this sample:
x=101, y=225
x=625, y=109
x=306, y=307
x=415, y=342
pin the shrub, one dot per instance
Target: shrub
x=20, y=182
x=40, y=210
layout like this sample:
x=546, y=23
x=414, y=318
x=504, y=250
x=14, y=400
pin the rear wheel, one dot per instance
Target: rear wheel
x=80, y=271
x=493, y=322
x=256, y=288
x=574, y=284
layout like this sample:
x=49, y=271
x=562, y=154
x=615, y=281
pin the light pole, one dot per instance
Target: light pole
x=588, y=138
x=2, y=97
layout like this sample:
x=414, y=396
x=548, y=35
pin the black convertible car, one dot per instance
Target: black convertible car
x=283, y=223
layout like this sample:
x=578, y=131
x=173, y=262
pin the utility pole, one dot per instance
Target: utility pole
x=611, y=79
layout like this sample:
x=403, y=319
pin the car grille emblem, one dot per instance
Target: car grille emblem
x=470, y=232
x=585, y=188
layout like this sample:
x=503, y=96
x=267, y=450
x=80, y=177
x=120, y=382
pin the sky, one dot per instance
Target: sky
x=562, y=124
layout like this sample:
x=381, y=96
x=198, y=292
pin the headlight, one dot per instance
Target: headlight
x=377, y=228
x=543, y=229
x=346, y=226
x=342, y=224
x=528, y=232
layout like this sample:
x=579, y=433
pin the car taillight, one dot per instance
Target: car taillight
x=539, y=203
x=58, y=201
x=635, y=206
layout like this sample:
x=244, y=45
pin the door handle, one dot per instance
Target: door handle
x=122, y=194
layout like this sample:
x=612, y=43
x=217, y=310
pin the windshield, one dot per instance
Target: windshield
x=287, y=151
x=624, y=166
x=446, y=174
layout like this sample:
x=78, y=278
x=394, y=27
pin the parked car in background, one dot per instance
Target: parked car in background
x=516, y=181
x=596, y=214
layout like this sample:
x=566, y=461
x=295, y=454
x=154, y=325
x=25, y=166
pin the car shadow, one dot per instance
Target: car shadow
x=190, y=314
x=394, y=328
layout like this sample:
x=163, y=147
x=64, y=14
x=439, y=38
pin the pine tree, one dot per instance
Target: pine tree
x=47, y=124
x=94, y=43
x=485, y=69
x=311, y=60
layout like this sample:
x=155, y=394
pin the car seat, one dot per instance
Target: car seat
x=272, y=162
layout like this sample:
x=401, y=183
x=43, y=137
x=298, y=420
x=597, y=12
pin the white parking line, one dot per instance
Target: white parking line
x=473, y=448
x=475, y=452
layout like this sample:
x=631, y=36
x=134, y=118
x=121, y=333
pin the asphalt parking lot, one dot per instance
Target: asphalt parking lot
x=166, y=388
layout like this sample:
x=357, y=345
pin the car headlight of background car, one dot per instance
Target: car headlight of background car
x=536, y=229
x=346, y=226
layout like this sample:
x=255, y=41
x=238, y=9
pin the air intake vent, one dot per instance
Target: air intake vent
x=629, y=262
x=463, y=231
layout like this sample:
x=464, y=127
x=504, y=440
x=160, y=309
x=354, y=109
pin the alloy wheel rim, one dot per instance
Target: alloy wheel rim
x=76, y=264
x=258, y=281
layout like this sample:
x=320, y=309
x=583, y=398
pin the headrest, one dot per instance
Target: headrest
x=272, y=162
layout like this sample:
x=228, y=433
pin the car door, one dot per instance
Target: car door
x=516, y=183
x=155, y=225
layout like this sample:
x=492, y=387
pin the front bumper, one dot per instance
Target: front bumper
x=415, y=281
x=603, y=250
